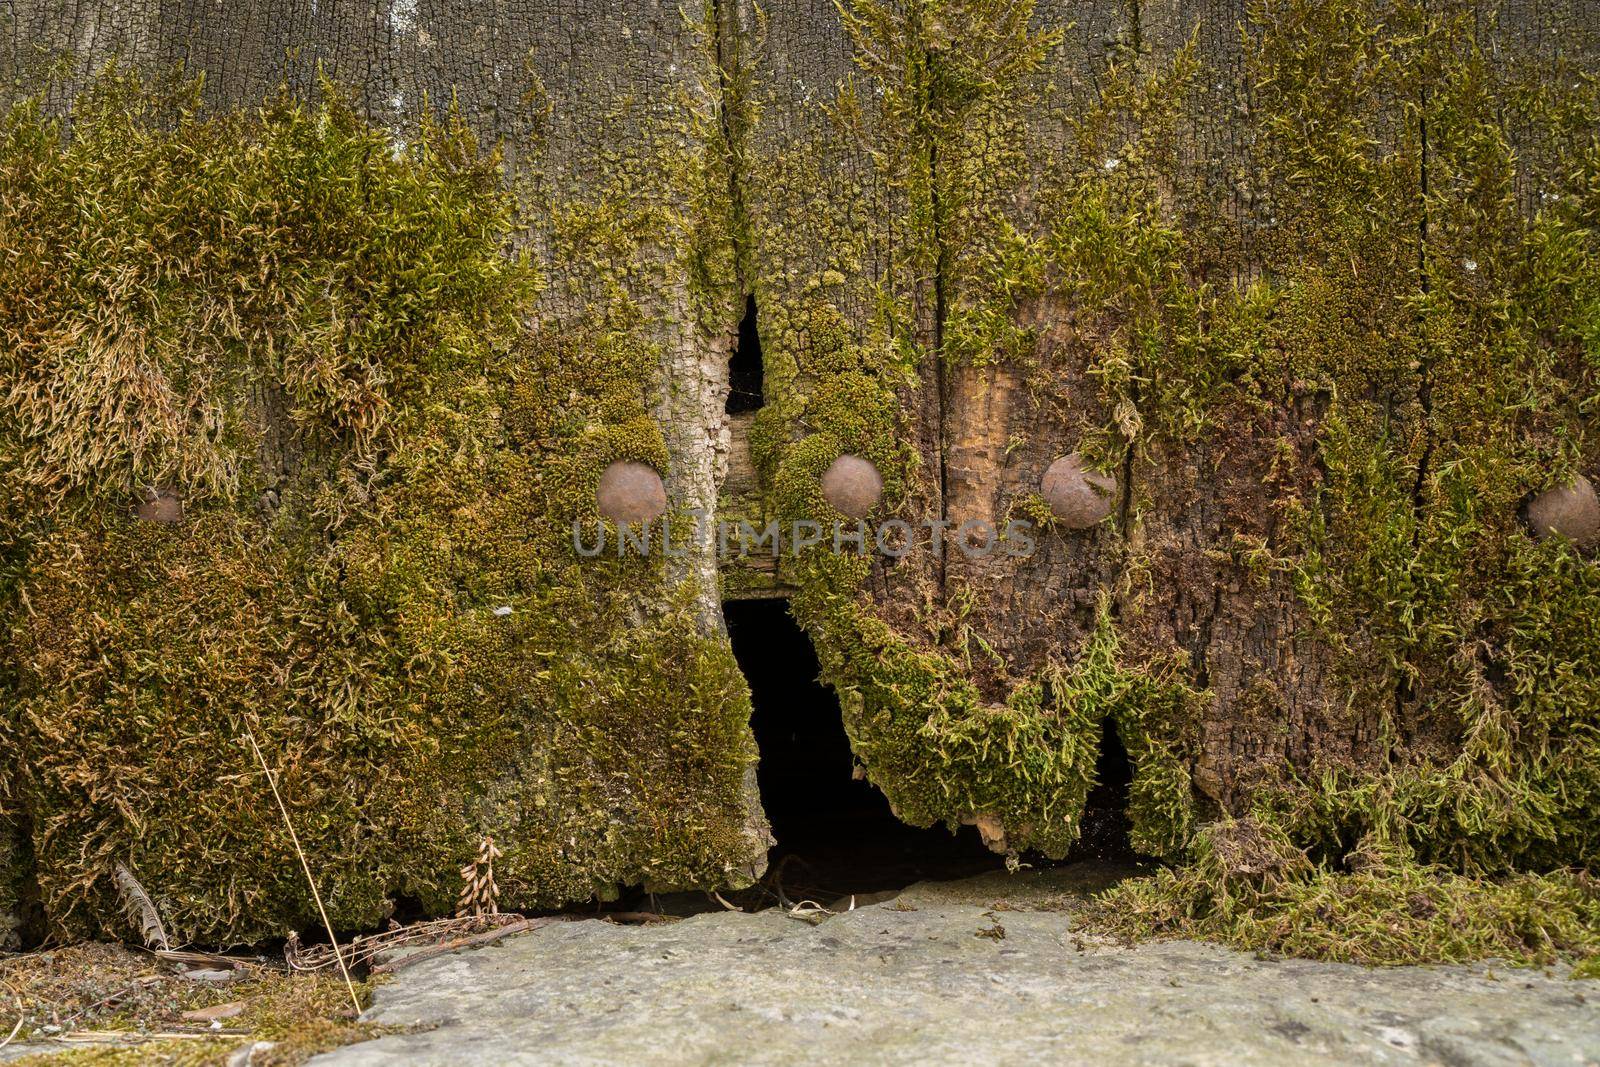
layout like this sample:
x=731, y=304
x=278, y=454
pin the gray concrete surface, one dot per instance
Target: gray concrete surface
x=986, y=971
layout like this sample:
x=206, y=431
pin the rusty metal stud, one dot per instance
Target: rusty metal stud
x=853, y=485
x=1078, y=498
x=631, y=492
x=1570, y=511
x=163, y=506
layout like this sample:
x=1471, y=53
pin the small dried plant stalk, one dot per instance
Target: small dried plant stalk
x=479, y=894
x=139, y=908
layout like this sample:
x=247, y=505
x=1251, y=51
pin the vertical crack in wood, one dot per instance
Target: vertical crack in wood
x=1404, y=688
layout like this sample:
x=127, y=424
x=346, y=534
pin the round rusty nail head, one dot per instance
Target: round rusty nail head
x=1570, y=511
x=631, y=492
x=1078, y=497
x=853, y=485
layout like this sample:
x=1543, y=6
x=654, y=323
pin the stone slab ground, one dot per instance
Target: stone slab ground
x=988, y=970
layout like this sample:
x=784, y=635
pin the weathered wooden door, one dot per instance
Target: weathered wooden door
x=1308, y=287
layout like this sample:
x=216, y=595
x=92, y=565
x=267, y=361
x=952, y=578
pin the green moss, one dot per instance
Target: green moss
x=317, y=340
x=1403, y=400
x=941, y=752
x=950, y=84
x=918, y=725
x=651, y=210
x=1453, y=386
x=1248, y=886
x=954, y=81
x=1416, y=533
x=836, y=384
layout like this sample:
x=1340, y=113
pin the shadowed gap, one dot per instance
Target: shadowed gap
x=31, y=929
x=836, y=835
x=745, y=383
x=1105, y=812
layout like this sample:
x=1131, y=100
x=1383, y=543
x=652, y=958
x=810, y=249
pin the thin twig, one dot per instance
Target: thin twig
x=195, y=958
x=367, y=948
x=22, y=1017
x=466, y=942
x=272, y=781
x=806, y=910
x=127, y=1037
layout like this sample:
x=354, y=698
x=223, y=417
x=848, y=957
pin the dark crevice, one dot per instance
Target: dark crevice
x=745, y=381
x=1202, y=646
x=1135, y=46
x=1106, y=826
x=742, y=395
x=926, y=131
x=835, y=833
x=940, y=385
x=408, y=909
x=1404, y=688
x=24, y=875
x=1125, y=490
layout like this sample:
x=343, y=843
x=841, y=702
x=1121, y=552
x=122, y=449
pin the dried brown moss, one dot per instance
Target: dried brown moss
x=110, y=989
x=317, y=339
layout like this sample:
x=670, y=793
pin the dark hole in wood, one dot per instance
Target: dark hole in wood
x=745, y=381
x=839, y=831
x=1105, y=813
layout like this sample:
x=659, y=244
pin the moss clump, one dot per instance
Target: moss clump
x=943, y=724
x=1249, y=886
x=902, y=702
x=925, y=731
x=1447, y=382
x=955, y=80
x=317, y=339
x=1488, y=761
